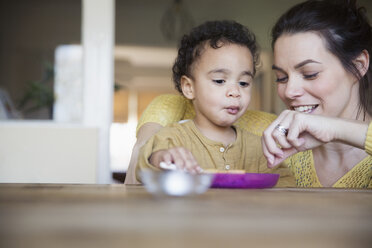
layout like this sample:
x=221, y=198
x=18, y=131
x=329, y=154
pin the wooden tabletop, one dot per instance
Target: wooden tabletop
x=64, y=215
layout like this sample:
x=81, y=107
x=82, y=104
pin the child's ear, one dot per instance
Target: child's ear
x=362, y=62
x=187, y=86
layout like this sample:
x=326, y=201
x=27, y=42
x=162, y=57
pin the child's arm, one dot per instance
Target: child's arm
x=167, y=145
x=179, y=156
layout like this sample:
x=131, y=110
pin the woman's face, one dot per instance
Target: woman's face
x=312, y=80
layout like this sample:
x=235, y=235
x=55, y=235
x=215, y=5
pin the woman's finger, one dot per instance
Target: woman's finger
x=281, y=130
x=269, y=156
x=286, y=153
x=270, y=145
x=278, y=120
x=295, y=130
x=271, y=136
x=280, y=136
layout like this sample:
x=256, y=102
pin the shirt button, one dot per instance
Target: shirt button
x=222, y=149
x=227, y=167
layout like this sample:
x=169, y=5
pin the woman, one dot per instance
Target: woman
x=322, y=64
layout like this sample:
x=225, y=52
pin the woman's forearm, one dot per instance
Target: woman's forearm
x=144, y=133
x=353, y=133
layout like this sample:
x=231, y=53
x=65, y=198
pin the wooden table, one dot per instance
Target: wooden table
x=53, y=215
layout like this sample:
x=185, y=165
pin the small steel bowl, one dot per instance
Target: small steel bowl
x=175, y=182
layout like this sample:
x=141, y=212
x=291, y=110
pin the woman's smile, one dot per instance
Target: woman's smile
x=305, y=108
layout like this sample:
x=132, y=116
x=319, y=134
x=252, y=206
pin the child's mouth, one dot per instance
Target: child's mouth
x=232, y=110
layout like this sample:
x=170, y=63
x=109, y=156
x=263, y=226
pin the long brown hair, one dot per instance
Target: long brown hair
x=346, y=31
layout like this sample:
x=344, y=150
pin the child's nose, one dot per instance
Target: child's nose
x=233, y=91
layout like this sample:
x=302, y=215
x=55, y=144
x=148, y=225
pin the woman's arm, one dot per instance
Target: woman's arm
x=165, y=109
x=368, y=143
x=143, y=135
x=306, y=132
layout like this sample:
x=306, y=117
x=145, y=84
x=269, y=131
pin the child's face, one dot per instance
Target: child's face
x=221, y=85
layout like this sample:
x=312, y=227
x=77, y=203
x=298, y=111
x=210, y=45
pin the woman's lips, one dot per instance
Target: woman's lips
x=305, y=108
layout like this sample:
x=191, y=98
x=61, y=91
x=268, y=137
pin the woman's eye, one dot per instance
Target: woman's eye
x=244, y=84
x=219, y=81
x=311, y=76
x=281, y=80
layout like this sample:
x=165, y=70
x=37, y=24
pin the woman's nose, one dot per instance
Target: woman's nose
x=293, y=89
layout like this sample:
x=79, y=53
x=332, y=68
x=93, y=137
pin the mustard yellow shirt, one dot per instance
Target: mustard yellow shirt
x=243, y=154
x=360, y=176
x=167, y=109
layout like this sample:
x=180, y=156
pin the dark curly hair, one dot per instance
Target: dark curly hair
x=346, y=31
x=214, y=32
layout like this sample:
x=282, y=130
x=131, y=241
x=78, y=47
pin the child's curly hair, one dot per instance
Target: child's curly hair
x=214, y=32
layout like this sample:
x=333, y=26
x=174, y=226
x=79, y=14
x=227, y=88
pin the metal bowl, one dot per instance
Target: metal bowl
x=175, y=182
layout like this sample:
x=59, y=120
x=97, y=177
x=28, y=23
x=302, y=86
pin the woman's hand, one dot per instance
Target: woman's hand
x=180, y=156
x=307, y=131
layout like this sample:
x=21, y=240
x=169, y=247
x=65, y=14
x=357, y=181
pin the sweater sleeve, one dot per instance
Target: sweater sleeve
x=166, y=138
x=255, y=121
x=368, y=143
x=164, y=109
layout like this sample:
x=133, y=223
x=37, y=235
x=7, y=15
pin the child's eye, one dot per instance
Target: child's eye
x=281, y=80
x=311, y=76
x=244, y=84
x=219, y=81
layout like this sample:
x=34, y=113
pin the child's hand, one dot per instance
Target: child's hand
x=181, y=157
